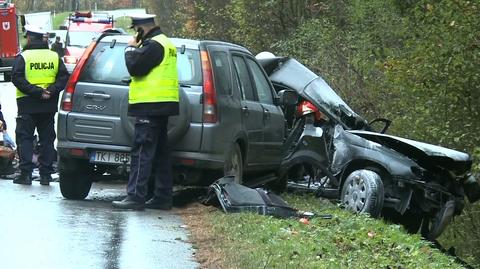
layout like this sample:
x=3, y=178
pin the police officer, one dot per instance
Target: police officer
x=151, y=60
x=39, y=76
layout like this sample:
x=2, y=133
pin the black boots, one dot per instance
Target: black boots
x=24, y=179
x=45, y=179
x=156, y=203
x=129, y=203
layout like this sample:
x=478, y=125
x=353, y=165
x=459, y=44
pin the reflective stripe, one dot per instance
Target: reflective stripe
x=161, y=83
x=41, y=68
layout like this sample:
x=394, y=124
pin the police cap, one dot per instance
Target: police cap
x=35, y=30
x=140, y=19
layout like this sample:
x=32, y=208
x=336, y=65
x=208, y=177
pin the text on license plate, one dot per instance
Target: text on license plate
x=110, y=157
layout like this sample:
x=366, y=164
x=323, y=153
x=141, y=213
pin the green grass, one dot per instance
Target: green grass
x=124, y=22
x=59, y=19
x=346, y=241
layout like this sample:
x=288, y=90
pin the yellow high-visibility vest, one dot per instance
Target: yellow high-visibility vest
x=41, y=68
x=161, y=83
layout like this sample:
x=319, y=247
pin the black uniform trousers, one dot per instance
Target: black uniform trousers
x=24, y=132
x=150, y=150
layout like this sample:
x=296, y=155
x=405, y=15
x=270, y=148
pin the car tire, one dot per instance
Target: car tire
x=433, y=227
x=362, y=192
x=74, y=184
x=233, y=165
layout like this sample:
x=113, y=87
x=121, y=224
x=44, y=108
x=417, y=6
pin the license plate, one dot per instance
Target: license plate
x=110, y=157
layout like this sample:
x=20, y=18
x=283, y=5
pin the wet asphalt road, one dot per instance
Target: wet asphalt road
x=41, y=229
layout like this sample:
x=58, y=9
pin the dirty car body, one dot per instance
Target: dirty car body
x=419, y=185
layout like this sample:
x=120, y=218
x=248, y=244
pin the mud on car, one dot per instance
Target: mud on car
x=333, y=151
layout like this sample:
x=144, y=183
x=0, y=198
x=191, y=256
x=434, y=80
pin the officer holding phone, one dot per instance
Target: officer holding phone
x=151, y=60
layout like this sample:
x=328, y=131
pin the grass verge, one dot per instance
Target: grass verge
x=346, y=241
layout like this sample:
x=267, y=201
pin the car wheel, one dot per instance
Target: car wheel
x=74, y=186
x=233, y=165
x=433, y=227
x=73, y=183
x=363, y=192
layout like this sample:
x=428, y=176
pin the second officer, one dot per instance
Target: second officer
x=39, y=76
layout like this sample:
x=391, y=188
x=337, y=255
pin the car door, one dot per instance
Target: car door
x=251, y=110
x=273, y=118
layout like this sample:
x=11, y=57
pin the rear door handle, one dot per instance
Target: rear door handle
x=93, y=95
x=266, y=114
x=245, y=110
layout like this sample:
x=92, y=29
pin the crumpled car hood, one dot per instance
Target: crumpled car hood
x=427, y=155
x=290, y=73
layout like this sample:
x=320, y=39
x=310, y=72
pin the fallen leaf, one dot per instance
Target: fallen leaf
x=371, y=234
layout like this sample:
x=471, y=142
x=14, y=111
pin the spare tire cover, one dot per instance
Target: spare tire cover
x=177, y=125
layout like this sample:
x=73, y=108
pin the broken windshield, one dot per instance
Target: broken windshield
x=292, y=74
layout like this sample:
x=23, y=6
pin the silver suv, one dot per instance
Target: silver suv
x=230, y=119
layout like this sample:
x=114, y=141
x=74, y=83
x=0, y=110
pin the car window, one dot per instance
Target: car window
x=221, y=74
x=264, y=91
x=244, y=78
x=189, y=67
x=107, y=65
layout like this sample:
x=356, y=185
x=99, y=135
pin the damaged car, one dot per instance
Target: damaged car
x=335, y=152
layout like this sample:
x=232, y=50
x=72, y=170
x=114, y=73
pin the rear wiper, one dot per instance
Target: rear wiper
x=183, y=85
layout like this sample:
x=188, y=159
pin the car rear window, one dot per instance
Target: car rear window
x=107, y=65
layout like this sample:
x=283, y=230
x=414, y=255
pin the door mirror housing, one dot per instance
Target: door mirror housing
x=287, y=98
x=384, y=128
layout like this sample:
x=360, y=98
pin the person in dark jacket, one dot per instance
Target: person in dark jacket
x=6, y=160
x=57, y=46
x=7, y=140
x=39, y=76
x=151, y=60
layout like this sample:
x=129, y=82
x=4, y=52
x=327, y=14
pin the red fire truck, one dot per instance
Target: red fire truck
x=9, y=43
x=82, y=28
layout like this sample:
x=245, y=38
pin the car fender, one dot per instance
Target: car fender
x=349, y=147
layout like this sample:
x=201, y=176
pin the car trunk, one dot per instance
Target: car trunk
x=100, y=103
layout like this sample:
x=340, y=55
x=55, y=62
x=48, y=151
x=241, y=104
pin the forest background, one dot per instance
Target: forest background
x=415, y=62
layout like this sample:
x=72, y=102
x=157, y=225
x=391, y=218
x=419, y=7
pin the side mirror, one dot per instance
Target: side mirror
x=52, y=35
x=386, y=123
x=287, y=98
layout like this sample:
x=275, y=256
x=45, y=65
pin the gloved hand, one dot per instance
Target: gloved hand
x=46, y=95
x=8, y=141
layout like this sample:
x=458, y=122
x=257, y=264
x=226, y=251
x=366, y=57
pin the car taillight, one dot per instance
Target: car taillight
x=67, y=101
x=209, y=94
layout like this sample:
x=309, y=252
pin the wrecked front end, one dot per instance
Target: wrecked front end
x=419, y=185
x=426, y=199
